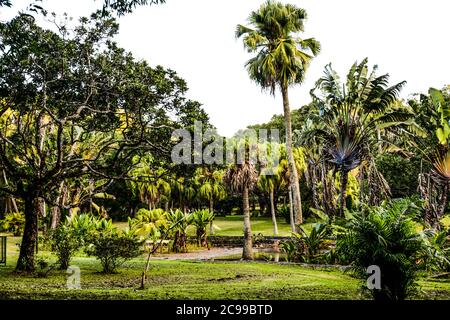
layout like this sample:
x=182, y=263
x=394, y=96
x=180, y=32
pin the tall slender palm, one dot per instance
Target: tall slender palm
x=281, y=61
x=243, y=178
x=267, y=184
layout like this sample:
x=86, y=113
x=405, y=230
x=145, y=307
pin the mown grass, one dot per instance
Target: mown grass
x=233, y=226
x=193, y=280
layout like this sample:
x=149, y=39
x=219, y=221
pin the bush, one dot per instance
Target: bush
x=113, y=247
x=149, y=224
x=387, y=237
x=64, y=243
x=201, y=219
x=71, y=236
x=284, y=212
x=13, y=222
x=179, y=222
x=306, y=246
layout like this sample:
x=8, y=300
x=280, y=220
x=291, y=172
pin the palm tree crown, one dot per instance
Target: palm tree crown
x=282, y=57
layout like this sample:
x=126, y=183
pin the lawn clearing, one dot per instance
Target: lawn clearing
x=171, y=279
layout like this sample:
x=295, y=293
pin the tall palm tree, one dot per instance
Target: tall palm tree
x=243, y=178
x=285, y=176
x=267, y=184
x=281, y=60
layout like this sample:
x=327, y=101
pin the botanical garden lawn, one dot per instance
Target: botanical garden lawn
x=192, y=280
x=233, y=226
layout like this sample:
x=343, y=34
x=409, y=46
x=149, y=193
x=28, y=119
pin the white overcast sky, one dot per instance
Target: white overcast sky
x=409, y=39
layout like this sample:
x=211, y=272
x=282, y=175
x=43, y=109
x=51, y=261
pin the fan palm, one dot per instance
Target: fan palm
x=243, y=178
x=200, y=219
x=387, y=237
x=149, y=184
x=181, y=221
x=282, y=59
x=211, y=188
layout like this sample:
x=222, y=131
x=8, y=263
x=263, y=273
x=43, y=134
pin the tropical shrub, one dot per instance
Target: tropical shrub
x=113, y=247
x=387, y=237
x=284, y=212
x=306, y=245
x=71, y=236
x=179, y=222
x=201, y=219
x=437, y=257
x=149, y=224
x=13, y=222
x=64, y=243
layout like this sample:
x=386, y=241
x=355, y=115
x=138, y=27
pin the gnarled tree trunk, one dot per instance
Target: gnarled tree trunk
x=25, y=263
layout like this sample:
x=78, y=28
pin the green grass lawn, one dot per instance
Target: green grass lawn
x=234, y=225
x=193, y=280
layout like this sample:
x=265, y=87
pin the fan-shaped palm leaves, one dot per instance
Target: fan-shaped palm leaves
x=179, y=222
x=150, y=224
x=386, y=237
x=243, y=178
x=350, y=118
x=211, y=188
x=149, y=183
x=282, y=59
x=200, y=219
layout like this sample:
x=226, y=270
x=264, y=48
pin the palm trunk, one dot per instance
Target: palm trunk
x=344, y=180
x=247, y=253
x=294, y=181
x=26, y=256
x=441, y=208
x=314, y=186
x=272, y=212
x=211, y=225
x=291, y=211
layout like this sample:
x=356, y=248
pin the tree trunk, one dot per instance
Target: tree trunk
x=272, y=212
x=344, y=180
x=247, y=253
x=60, y=200
x=211, y=224
x=25, y=263
x=441, y=208
x=11, y=204
x=294, y=181
x=291, y=211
